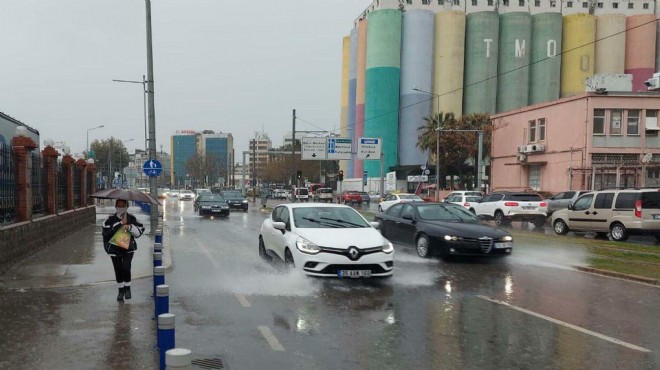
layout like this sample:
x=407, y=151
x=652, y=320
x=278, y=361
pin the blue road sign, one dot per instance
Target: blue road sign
x=152, y=168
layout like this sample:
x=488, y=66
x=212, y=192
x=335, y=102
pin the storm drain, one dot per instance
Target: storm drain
x=208, y=363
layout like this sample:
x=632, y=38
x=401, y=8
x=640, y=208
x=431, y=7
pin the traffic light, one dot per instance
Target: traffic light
x=299, y=174
x=340, y=177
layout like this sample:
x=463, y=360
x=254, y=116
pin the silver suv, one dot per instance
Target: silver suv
x=617, y=213
x=563, y=199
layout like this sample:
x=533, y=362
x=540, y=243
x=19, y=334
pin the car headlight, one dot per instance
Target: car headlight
x=224, y=207
x=245, y=201
x=507, y=238
x=452, y=238
x=206, y=207
x=388, y=248
x=306, y=246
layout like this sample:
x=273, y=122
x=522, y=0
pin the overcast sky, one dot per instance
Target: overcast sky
x=230, y=66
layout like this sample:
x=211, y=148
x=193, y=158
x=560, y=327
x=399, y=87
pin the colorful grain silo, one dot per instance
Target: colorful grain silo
x=449, y=61
x=352, y=75
x=416, y=97
x=640, y=48
x=545, y=69
x=360, y=89
x=383, y=76
x=343, y=117
x=610, y=44
x=481, y=55
x=513, y=60
x=577, y=62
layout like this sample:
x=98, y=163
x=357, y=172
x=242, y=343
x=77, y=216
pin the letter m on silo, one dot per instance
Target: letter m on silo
x=520, y=48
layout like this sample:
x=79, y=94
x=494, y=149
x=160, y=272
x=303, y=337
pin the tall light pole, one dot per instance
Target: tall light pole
x=88, y=130
x=144, y=101
x=437, y=142
x=152, y=114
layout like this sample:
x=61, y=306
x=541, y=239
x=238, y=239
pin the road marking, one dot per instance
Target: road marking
x=275, y=344
x=208, y=255
x=574, y=327
x=242, y=300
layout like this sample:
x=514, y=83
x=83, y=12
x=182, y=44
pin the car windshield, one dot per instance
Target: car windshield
x=211, y=199
x=327, y=217
x=203, y=191
x=472, y=199
x=409, y=196
x=445, y=212
x=325, y=191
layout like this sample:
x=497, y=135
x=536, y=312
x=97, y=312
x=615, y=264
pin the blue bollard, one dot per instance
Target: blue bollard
x=159, y=236
x=158, y=259
x=162, y=299
x=165, y=336
x=158, y=247
x=178, y=358
x=159, y=278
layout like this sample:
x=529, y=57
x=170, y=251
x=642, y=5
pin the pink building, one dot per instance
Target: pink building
x=586, y=141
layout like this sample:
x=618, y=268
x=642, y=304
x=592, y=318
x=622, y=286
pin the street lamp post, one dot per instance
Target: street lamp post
x=88, y=130
x=437, y=142
x=144, y=103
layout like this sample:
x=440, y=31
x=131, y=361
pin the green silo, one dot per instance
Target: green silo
x=481, y=53
x=513, y=61
x=545, y=72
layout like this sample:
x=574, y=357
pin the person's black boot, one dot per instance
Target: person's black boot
x=120, y=296
x=127, y=292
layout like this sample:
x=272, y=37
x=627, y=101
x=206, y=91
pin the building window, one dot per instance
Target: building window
x=599, y=121
x=615, y=5
x=505, y=2
x=630, y=5
x=534, y=177
x=490, y=2
x=457, y=2
x=633, y=122
x=553, y=4
x=541, y=129
x=521, y=2
x=537, y=3
x=474, y=2
x=532, y=131
x=569, y=4
x=646, y=6
x=600, y=5
x=585, y=4
x=651, y=123
x=615, y=122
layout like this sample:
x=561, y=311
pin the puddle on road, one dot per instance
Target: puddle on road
x=555, y=256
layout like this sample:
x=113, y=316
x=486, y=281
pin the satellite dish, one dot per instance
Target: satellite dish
x=647, y=158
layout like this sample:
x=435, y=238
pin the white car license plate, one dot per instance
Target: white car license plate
x=354, y=273
x=503, y=245
x=528, y=208
x=656, y=217
x=217, y=210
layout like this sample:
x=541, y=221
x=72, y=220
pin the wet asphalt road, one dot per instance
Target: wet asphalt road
x=531, y=310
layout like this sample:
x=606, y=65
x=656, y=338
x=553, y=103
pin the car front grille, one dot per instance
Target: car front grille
x=334, y=269
x=486, y=243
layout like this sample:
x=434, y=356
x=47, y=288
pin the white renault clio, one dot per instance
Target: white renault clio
x=330, y=240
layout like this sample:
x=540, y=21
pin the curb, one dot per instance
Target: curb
x=619, y=275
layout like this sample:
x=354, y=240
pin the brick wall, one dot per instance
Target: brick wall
x=23, y=239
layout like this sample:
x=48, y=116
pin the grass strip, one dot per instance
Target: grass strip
x=628, y=267
x=648, y=258
x=582, y=241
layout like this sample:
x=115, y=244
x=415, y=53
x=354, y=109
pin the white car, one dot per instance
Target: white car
x=392, y=199
x=186, y=195
x=331, y=240
x=462, y=199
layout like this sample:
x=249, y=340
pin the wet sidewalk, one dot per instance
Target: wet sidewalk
x=81, y=260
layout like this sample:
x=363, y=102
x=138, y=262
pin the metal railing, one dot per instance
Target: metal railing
x=7, y=184
x=91, y=186
x=76, y=186
x=38, y=185
x=61, y=187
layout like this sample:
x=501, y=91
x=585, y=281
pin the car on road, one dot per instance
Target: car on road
x=563, y=199
x=323, y=195
x=464, y=193
x=392, y=199
x=331, y=240
x=173, y=193
x=186, y=195
x=350, y=197
x=462, y=199
x=235, y=199
x=279, y=194
x=366, y=199
x=300, y=195
x=614, y=213
x=443, y=229
x=212, y=204
x=505, y=207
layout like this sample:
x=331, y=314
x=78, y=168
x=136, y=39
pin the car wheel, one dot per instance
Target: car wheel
x=288, y=259
x=262, y=251
x=499, y=218
x=560, y=227
x=538, y=223
x=618, y=232
x=380, y=228
x=200, y=213
x=422, y=246
x=473, y=211
x=245, y=209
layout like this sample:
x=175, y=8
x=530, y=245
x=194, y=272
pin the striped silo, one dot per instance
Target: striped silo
x=352, y=75
x=513, y=61
x=657, y=39
x=577, y=62
x=610, y=44
x=449, y=61
x=640, y=48
x=360, y=89
x=481, y=48
x=381, y=114
x=343, y=124
x=416, y=71
x=545, y=71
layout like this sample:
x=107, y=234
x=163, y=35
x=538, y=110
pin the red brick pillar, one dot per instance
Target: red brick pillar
x=82, y=164
x=91, y=169
x=22, y=147
x=49, y=155
x=67, y=167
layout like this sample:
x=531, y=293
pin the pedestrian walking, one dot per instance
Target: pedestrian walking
x=119, y=232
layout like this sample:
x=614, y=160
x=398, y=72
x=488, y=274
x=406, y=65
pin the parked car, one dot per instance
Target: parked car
x=442, y=229
x=462, y=199
x=504, y=207
x=392, y=199
x=186, y=195
x=365, y=197
x=330, y=240
x=211, y=204
x=323, y=195
x=374, y=197
x=235, y=199
x=617, y=213
x=464, y=193
x=350, y=197
x=279, y=194
x=563, y=199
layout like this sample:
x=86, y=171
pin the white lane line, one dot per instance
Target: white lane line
x=275, y=344
x=208, y=254
x=574, y=327
x=242, y=300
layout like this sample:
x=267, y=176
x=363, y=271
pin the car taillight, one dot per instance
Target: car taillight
x=638, y=208
x=544, y=204
x=466, y=204
x=511, y=204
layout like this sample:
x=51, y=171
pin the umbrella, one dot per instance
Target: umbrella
x=125, y=194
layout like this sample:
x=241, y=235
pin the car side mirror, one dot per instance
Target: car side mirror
x=570, y=206
x=279, y=225
x=375, y=225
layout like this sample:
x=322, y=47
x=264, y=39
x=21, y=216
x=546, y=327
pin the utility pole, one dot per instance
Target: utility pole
x=293, y=150
x=152, y=116
x=479, y=158
x=254, y=170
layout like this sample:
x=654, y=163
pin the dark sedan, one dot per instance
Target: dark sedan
x=442, y=229
x=235, y=199
x=212, y=205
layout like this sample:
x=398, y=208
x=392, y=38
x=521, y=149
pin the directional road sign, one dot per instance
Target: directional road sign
x=152, y=168
x=313, y=148
x=339, y=148
x=369, y=148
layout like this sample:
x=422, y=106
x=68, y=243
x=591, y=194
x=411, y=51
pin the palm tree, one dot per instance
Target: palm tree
x=428, y=137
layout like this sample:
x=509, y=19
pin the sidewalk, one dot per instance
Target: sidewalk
x=81, y=260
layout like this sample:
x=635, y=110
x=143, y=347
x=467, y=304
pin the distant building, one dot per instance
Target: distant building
x=222, y=146
x=8, y=127
x=183, y=147
x=187, y=143
x=260, y=146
